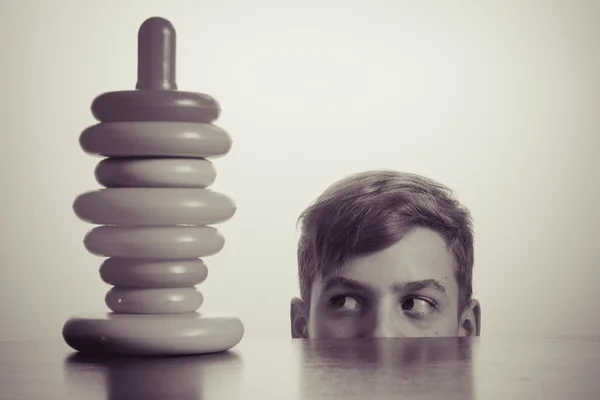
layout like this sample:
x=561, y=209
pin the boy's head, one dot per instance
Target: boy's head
x=385, y=254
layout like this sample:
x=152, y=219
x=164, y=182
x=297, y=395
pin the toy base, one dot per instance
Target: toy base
x=152, y=335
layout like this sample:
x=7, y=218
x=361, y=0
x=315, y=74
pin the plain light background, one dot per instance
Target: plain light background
x=498, y=100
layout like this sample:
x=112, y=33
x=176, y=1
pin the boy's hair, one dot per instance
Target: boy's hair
x=369, y=212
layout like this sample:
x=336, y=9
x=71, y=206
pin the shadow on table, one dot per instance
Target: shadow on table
x=131, y=378
x=388, y=368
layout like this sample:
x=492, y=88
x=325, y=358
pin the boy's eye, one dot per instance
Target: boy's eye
x=345, y=302
x=418, y=306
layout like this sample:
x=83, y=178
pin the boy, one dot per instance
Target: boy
x=385, y=254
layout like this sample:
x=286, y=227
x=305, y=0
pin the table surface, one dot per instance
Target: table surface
x=429, y=368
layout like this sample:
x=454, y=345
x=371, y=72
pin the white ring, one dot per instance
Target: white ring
x=153, y=206
x=155, y=172
x=153, y=301
x=135, y=273
x=155, y=139
x=159, y=243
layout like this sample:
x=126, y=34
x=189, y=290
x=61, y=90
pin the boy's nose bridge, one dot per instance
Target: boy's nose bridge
x=386, y=324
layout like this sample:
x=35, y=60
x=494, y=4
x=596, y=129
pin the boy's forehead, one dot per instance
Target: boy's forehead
x=420, y=255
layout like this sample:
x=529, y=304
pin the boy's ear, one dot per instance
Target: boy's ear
x=470, y=320
x=299, y=318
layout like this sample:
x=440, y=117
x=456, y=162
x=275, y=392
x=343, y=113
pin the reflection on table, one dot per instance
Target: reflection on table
x=430, y=368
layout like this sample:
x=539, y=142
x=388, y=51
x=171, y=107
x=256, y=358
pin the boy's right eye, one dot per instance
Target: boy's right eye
x=345, y=303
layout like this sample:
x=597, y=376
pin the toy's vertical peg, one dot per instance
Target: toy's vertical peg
x=156, y=55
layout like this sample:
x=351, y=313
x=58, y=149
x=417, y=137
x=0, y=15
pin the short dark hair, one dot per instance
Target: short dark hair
x=369, y=212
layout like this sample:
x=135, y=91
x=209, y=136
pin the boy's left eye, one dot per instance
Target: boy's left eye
x=416, y=305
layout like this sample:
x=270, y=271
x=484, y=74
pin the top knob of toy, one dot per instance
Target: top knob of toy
x=156, y=97
x=156, y=55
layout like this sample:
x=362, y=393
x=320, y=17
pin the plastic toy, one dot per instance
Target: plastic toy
x=155, y=212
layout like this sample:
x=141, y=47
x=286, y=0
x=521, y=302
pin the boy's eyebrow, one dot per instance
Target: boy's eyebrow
x=398, y=287
x=416, y=286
